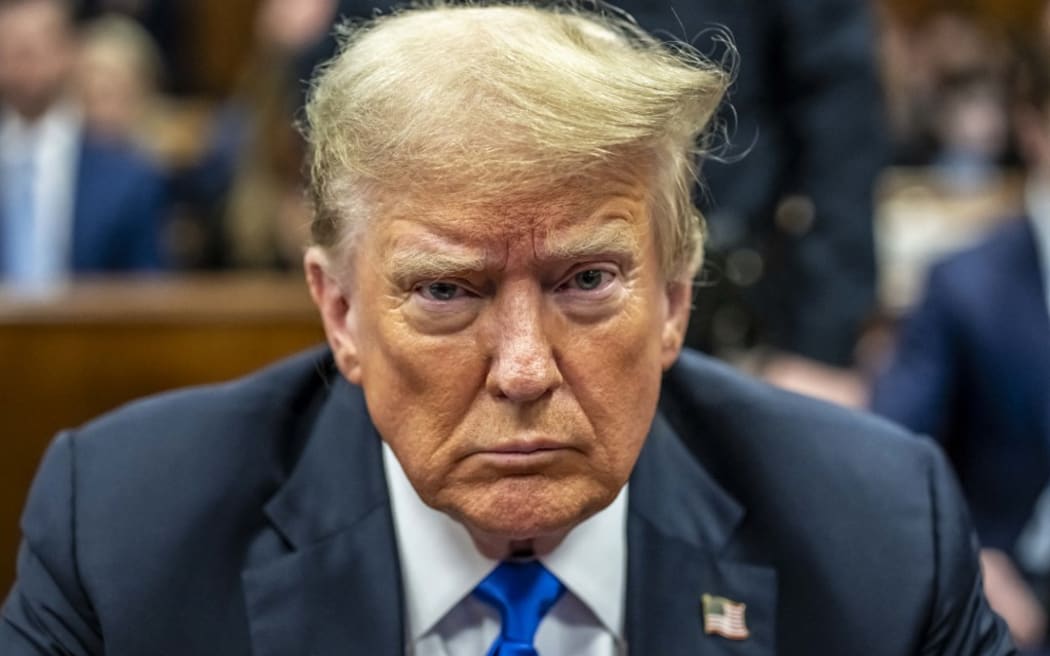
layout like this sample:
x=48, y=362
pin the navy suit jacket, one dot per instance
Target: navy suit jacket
x=253, y=518
x=972, y=368
x=119, y=202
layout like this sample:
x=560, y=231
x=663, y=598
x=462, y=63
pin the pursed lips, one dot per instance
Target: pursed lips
x=525, y=447
x=523, y=453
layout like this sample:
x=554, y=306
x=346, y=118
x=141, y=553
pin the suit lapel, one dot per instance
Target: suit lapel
x=338, y=590
x=679, y=525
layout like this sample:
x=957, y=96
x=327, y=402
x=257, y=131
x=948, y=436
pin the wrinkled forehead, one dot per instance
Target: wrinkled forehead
x=561, y=208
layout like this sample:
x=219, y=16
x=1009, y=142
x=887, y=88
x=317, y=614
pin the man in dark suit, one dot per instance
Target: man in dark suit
x=68, y=203
x=972, y=370
x=500, y=451
x=790, y=208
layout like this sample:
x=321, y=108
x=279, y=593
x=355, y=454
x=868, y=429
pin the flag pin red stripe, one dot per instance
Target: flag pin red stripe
x=725, y=617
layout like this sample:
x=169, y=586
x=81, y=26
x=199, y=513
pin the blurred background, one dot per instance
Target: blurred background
x=152, y=219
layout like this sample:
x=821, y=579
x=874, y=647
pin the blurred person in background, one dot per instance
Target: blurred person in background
x=70, y=203
x=169, y=26
x=972, y=369
x=117, y=74
x=971, y=125
x=266, y=217
x=945, y=74
x=790, y=211
x=932, y=63
x=249, y=185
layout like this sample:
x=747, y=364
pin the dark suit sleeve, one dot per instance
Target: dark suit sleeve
x=47, y=611
x=918, y=387
x=961, y=622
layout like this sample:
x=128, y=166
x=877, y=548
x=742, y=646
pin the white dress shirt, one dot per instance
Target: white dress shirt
x=1038, y=202
x=440, y=567
x=52, y=143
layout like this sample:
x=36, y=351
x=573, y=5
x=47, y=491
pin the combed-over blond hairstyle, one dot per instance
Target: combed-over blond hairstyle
x=493, y=103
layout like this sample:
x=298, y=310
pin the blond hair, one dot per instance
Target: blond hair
x=121, y=39
x=504, y=102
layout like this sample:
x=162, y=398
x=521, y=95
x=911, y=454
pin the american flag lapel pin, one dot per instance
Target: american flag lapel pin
x=725, y=617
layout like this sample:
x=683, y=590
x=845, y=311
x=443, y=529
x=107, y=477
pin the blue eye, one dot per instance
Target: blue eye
x=440, y=291
x=589, y=279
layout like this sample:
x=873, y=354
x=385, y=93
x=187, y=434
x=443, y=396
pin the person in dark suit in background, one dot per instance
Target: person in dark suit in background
x=500, y=450
x=70, y=203
x=972, y=367
x=790, y=207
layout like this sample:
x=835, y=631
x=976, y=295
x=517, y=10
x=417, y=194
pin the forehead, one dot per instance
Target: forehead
x=33, y=23
x=563, y=210
x=34, y=13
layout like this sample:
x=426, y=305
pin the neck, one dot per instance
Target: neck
x=502, y=548
x=32, y=110
x=31, y=114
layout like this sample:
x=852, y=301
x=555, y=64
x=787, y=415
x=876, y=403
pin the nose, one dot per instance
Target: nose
x=524, y=366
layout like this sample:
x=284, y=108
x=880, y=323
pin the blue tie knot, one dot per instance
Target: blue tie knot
x=523, y=592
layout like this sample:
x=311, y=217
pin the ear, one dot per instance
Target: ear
x=337, y=312
x=678, y=297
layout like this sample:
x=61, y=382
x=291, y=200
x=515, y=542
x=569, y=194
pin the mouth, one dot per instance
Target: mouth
x=524, y=447
x=525, y=454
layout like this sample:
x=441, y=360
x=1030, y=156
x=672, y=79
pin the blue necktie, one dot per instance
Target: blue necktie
x=523, y=592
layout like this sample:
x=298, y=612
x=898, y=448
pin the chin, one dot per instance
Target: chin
x=529, y=508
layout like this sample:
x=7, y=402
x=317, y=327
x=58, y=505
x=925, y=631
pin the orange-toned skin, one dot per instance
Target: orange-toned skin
x=516, y=394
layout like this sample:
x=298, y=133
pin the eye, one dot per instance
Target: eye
x=440, y=291
x=588, y=280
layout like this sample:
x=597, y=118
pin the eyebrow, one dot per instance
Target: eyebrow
x=610, y=238
x=422, y=261
x=412, y=263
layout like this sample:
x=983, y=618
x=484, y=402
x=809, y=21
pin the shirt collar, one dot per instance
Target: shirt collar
x=592, y=562
x=62, y=115
x=430, y=541
x=60, y=126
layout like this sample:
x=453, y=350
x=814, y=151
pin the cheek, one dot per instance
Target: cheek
x=614, y=372
x=418, y=389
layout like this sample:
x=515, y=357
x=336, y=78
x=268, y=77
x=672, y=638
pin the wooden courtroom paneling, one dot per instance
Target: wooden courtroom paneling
x=222, y=35
x=98, y=345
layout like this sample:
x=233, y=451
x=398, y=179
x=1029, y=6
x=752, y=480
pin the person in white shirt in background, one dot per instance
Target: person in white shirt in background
x=39, y=139
x=68, y=204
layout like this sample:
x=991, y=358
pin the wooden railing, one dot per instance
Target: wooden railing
x=95, y=345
